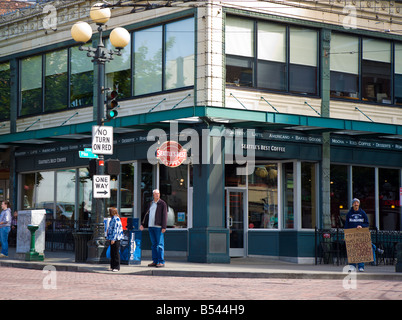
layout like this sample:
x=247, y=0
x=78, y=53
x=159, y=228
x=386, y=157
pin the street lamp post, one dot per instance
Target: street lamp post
x=119, y=37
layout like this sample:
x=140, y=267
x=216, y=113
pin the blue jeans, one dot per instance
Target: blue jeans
x=158, y=245
x=4, y=231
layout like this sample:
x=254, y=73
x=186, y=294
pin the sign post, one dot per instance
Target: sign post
x=102, y=143
x=358, y=245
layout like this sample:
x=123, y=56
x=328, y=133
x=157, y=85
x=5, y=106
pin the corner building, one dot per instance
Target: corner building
x=317, y=84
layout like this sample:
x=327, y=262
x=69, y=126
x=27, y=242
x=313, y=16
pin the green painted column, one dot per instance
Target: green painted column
x=209, y=237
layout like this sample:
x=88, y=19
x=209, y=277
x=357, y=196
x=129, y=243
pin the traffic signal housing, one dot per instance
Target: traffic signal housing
x=111, y=105
x=113, y=168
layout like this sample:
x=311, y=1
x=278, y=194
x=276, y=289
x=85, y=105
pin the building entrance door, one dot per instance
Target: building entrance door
x=235, y=220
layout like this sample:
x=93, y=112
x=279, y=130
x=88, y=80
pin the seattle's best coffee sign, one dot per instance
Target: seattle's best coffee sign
x=171, y=154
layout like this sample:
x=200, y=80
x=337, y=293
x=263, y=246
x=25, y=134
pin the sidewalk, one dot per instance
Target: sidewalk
x=249, y=267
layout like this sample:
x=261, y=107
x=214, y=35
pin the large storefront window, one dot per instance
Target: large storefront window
x=288, y=195
x=173, y=189
x=84, y=195
x=390, y=210
x=364, y=190
x=263, y=197
x=56, y=80
x=5, y=90
x=27, y=191
x=339, y=195
x=344, y=66
x=44, y=192
x=308, y=195
x=31, y=85
x=127, y=189
x=65, y=194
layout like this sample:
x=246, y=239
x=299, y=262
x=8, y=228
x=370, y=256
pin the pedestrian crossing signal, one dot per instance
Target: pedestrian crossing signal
x=111, y=105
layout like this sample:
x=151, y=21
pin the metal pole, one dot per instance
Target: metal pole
x=97, y=246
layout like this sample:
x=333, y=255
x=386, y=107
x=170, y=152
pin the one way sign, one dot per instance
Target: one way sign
x=101, y=186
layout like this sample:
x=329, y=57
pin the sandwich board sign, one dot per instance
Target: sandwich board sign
x=101, y=186
x=102, y=140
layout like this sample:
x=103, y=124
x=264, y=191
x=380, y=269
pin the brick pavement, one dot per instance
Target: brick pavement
x=21, y=283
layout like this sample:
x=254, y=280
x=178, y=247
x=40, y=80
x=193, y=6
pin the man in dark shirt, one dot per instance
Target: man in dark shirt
x=156, y=219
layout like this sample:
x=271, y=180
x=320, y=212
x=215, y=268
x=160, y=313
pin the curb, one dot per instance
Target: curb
x=212, y=274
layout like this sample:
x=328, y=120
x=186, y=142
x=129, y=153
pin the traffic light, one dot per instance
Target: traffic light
x=111, y=105
x=92, y=168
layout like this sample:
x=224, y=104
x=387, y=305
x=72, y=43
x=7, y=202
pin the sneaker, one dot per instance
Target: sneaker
x=3, y=256
x=160, y=265
x=115, y=270
x=153, y=264
x=361, y=270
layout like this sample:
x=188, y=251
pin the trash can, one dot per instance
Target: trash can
x=131, y=252
x=81, y=245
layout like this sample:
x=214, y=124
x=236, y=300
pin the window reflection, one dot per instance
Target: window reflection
x=5, y=90
x=31, y=85
x=56, y=80
x=339, y=195
x=82, y=78
x=118, y=71
x=288, y=197
x=389, y=183
x=179, y=54
x=173, y=189
x=364, y=190
x=263, y=197
x=148, y=61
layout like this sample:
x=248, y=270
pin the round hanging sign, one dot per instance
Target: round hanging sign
x=171, y=154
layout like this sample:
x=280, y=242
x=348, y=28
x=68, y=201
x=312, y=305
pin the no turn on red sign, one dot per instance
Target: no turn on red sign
x=102, y=140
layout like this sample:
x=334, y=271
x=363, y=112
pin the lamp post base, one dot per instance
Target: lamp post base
x=97, y=252
x=34, y=256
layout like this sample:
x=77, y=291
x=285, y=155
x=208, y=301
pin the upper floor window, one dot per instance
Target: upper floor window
x=56, y=80
x=344, y=66
x=271, y=56
x=81, y=77
x=376, y=71
x=31, y=85
x=5, y=80
x=162, y=58
x=362, y=69
x=398, y=74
